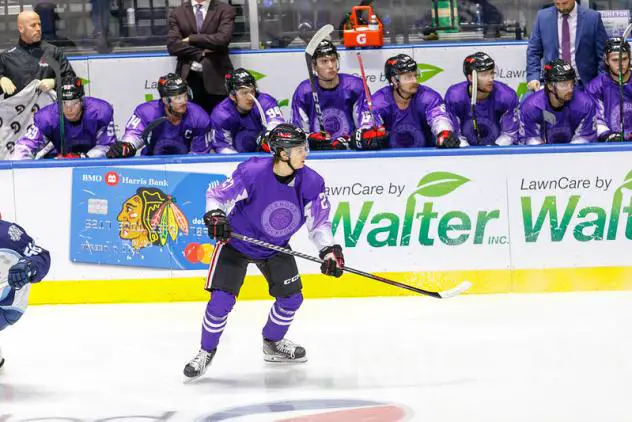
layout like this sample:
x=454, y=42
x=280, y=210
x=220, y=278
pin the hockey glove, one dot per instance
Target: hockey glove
x=262, y=141
x=121, y=150
x=610, y=137
x=71, y=155
x=446, y=139
x=217, y=225
x=370, y=139
x=21, y=273
x=320, y=141
x=333, y=261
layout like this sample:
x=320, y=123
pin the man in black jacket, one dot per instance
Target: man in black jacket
x=28, y=60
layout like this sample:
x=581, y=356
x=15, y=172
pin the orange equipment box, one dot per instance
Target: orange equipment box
x=358, y=34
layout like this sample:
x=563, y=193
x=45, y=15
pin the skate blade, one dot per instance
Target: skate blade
x=187, y=380
x=276, y=359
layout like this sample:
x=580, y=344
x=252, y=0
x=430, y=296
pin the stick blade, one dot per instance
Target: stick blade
x=320, y=35
x=456, y=290
x=474, y=87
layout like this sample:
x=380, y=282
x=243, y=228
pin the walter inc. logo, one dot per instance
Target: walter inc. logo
x=427, y=71
x=563, y=216
x=426, y=217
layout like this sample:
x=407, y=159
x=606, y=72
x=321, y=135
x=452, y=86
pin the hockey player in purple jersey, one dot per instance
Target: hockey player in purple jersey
x=88, y=127
x=344, y=108
x=236, y=122
x=605, y=91
x=414, y=115
x=496, y=108
x=559, y=113
x=268, y=198
x=22, y=262
x=183, y=127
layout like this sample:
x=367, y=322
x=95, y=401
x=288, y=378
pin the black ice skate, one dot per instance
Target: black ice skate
x=198, y=365
x=283, y=351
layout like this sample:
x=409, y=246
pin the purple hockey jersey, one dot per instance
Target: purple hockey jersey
x=260, y=206
x=497, y=115
x=15, y=243
x=344, y=108
x=233, y=132
x=418, y=125
x=574, y=123
x=191, y=135
x=605, y=92
x=91, y=135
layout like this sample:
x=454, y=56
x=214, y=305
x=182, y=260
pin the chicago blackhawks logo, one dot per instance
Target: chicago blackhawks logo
x=150, y=218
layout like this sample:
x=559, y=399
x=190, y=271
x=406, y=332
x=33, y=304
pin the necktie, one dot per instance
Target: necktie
x=199, y=19
x=566, y=40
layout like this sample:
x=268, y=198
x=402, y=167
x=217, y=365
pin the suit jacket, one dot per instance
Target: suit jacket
x=214, y=37
x=590, y=41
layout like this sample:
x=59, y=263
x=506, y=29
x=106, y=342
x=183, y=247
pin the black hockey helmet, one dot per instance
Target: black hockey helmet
x=285, y=135
x=613, y=45
x=478, y=61
x=397, y=65
x=558, y=71
x=325, y=48
x=171, y=85
x=238, y=78
x=71, y=88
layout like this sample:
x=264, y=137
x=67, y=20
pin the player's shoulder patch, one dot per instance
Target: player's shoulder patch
x=15, y=233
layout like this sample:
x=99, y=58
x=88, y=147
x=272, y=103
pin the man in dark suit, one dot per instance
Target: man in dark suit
x=199, y=34
x=570, y=32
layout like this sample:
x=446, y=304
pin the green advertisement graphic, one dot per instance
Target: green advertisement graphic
x=427, y=71
x=452, y=228
x=597, y=223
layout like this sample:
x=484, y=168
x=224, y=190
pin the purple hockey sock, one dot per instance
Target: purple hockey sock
x=281, y=316
x=215, y=318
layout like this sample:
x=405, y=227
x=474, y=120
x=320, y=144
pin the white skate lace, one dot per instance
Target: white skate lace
x=286, y=347
x=199, y=361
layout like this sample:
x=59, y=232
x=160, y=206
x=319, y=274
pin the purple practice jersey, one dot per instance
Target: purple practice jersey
x=14, y=245
x=191, y=135
x=91, y=135
x=344, y=108
x=574, y=123
x=419, y=124
x=605, y=92
x=233, y=132
x=496, y=116
x=260, y=206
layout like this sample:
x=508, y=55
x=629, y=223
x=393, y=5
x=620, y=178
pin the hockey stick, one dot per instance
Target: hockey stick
x=439, y=295
x=322, y=34
x=473, y=104
x=550, y=118
x=146, y=134
x=264, y=122
x=625, y=35
x=54, y=64
x=49, y=145
x=367, y=90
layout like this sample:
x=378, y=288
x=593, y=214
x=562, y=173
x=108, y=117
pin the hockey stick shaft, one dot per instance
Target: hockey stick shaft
x=322, y=33
x=367, y=90
x=439, y=295
x=54, y=64
x=146, y=134
x=264, y=121
x=626, y=33
x=473, y=96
